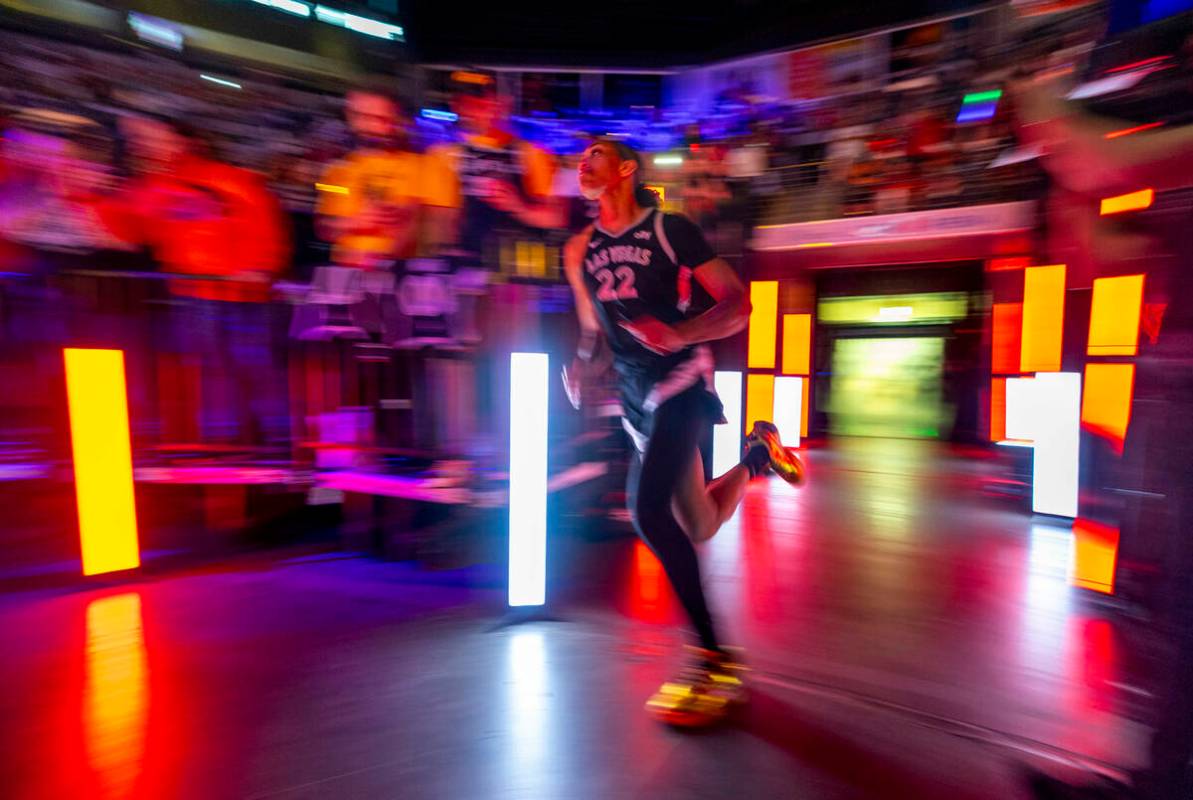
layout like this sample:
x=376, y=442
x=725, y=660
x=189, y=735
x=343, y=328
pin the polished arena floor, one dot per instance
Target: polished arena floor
x=911, y=632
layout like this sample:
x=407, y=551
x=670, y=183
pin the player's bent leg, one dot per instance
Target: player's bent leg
x=693, y=505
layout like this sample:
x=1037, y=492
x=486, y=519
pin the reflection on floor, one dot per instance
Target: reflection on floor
x=909, y=637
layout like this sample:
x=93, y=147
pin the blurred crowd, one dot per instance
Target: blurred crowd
x=867, y=148
x=382, y=222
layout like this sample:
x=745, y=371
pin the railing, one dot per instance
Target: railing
x=807, y=191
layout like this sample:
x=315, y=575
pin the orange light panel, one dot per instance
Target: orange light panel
x=98, y=404
x=764, y=324
x=797, y=343
x=1114, y=316
x=1006, y=335
x=803, y=425
x=1043, y=318
x=1095, y=552
x=1106, y=400
x=760, y=398
x=1134, y=201
x=998, y=409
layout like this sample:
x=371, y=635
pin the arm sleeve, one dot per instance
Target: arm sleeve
x=440, y=184
x=686, y=241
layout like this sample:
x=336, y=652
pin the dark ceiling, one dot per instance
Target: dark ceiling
x=638, y=33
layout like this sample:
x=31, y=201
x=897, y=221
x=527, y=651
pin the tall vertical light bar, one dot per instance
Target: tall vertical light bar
x=760, y=399
x=98, y=403
x=1057, y=426
x=797, y=357
x=1115, y=311
x=764, y=325
x=1106, y=401
x=1019, y=406
x=1043, y=318
x=788, y=412
x=803, y=421
x=726, y=442
x=797, y=344
x=528, y=479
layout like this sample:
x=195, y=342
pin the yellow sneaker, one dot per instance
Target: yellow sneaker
x=705, y=692
x=782, y=460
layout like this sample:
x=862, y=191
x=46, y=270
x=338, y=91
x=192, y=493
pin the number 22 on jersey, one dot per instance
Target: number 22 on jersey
x=615, y=285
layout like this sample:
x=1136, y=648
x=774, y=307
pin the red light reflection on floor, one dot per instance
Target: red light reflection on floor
x=758, y=553
x=649, y=599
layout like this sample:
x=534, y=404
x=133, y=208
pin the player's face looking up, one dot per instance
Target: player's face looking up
x=601, y=168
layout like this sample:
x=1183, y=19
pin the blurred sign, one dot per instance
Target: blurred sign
x=949, y=222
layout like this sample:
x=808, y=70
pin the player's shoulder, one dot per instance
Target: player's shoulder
x=675, y=220
x=577, y=243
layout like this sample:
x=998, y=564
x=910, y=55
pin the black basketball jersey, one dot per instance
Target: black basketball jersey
x=482, y=225
x=646, y=270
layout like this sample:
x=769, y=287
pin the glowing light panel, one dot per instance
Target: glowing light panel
x=788, y=408
x=1017, y=419
x=764, y=314
x=726, y=442
x=1006, y=332
x=1057, y=421
x=1106, y=401
x=1114, y=316
x=797, y=344
x=98, y=405
x=998, y=409
x=1043, y=318
x=1132, y=201
x=528, y=479
x=803, y=425
x=760, y=399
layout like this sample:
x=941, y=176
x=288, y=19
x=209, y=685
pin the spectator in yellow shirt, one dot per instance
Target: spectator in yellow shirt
x=369, y=201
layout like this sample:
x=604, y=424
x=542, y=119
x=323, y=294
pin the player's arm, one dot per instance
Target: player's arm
x=573, y=265
x=589, y=360
x=730, y=313
x=731, y=305
x=1080, y=157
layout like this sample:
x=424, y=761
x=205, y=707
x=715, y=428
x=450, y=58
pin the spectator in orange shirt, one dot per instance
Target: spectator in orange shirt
x=204, y=218
x=200, y=216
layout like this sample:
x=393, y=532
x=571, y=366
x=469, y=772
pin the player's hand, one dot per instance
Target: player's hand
x=658, y=337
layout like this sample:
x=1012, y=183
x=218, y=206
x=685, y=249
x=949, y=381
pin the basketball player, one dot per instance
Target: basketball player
x=649, y=284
